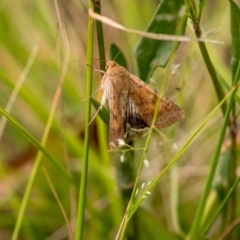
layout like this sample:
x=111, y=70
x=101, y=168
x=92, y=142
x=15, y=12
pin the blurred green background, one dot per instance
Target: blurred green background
x=29, y=29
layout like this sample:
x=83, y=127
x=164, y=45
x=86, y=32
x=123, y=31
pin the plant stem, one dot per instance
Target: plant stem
x=102, y=59
x=125, y=170
x=231, y=176
x=220, y=209
x=83, y=183
x=196, y=226
x=100, y=38
x=232, y=126
x=213, y=74
x=202, y=46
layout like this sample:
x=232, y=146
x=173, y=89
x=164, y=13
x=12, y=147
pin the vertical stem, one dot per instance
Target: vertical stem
x=226, y=111
x=202, y=46
x=196, y=226
x=102, y=59
x=126, y=177
x=125, y=170
x=212, y=72
x=100, y=38
x=231, y=204
x=83, y=183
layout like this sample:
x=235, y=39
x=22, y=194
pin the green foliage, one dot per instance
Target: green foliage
x=190, y=189
x=169, y=18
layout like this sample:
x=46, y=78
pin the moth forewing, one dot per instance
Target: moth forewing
x=115, y=85
x=145, y=99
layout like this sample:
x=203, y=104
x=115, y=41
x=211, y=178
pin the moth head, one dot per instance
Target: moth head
x=110, y=64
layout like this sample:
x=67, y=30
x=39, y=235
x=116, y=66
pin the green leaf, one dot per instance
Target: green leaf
x=117, y=55
x=150, y=53
x=235, y=32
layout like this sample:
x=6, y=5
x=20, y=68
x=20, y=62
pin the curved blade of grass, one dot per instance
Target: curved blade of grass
x=166, y=37
x=39, y=146
x=59, y=203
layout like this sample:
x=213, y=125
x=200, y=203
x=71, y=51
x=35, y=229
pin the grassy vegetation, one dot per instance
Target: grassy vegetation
x=49, y=156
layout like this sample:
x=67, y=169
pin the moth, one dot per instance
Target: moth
x=132, y=103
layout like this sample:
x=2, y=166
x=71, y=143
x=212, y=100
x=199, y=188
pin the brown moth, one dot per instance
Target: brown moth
x=132, y=102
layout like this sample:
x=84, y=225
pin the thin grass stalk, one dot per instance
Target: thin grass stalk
x=203, y=49
x=83, y=182
x=102, y=61
x=102, y=131
x=196, y=226
x=190, y=140
x=175, y=158
x=130, y=209
x=174, y=200
x=50, y=183
x=127, y=215
x=224, y=202
x=231, y=176
x=101, y=127
x=100, y=36
x=213, y=74
x=18, y=86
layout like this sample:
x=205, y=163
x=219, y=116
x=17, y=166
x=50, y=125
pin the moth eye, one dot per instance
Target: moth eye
x=107, y=67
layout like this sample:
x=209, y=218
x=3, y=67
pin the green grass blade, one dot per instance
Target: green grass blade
x=83, y=183
x=203, y=49
x=196, y=227
x=211, y=222
x=38, y=145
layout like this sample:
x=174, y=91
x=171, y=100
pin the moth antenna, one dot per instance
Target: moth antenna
x=92, y=94
x=100, y=108
x=124, y=46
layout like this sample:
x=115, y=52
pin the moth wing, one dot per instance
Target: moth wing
x=134, y=118
x=145, y=98
x=115, y=84
x=117, y=106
